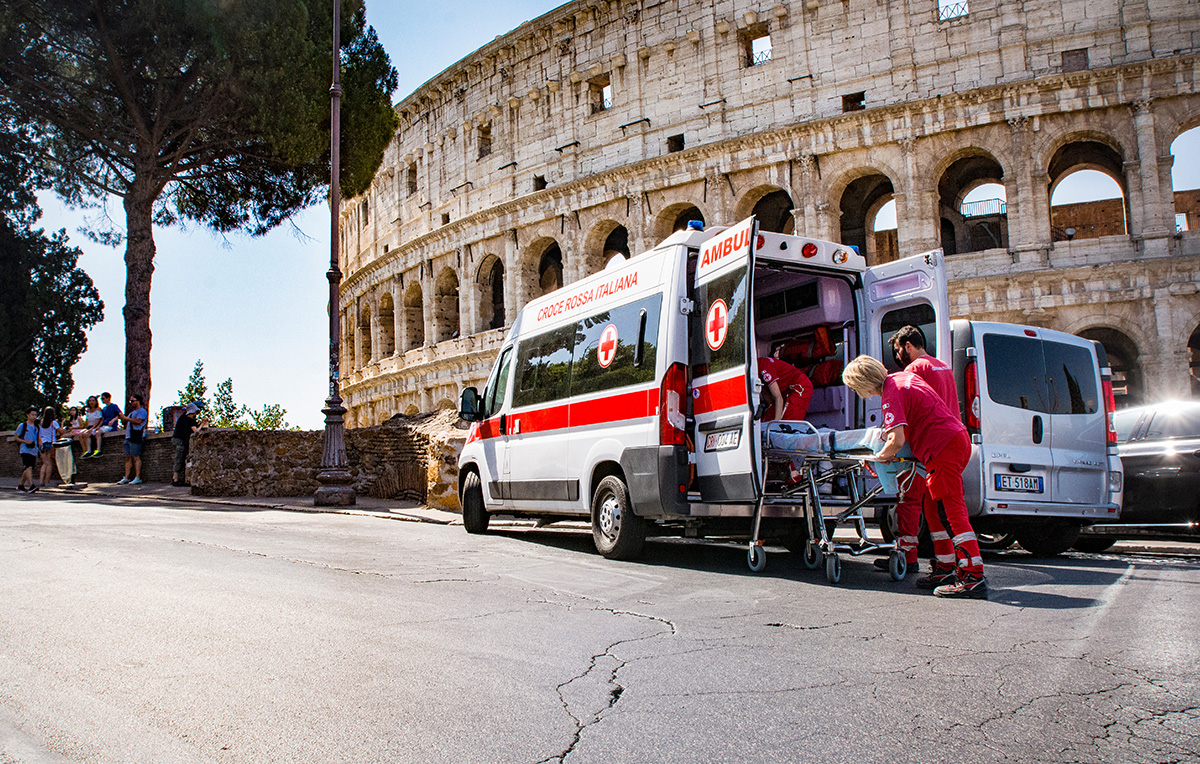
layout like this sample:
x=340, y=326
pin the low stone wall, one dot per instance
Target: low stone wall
x=414, y=458
x=157, y=456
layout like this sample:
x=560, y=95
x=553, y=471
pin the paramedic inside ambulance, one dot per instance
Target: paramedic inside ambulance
x=908, y=348
x=789, y=388
x=914, y=414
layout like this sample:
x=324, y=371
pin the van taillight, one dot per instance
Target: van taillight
x=1110, y=408
x=972, y=401
x=672, y=416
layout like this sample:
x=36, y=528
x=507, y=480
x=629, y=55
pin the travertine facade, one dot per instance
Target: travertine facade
x=601, y=126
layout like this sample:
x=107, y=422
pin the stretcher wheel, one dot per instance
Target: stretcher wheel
x=756, y=557
x=812, y=556
x=833, y=568
x=897, y=566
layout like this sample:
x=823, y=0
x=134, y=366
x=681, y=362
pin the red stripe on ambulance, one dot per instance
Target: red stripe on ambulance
x=719, y=395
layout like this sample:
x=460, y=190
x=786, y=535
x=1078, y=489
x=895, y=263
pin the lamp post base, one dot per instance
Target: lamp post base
x=334, y=476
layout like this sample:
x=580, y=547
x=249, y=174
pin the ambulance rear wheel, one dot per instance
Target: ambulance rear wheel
x=475, y=516
x=618, y=533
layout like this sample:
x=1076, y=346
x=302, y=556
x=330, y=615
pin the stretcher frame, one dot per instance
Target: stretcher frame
x=824, y=467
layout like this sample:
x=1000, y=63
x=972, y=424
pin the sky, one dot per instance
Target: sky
x=254, y=309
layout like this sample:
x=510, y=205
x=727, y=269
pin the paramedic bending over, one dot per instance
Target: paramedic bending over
x=908, y=348
x=913, y=413
x=790, y=389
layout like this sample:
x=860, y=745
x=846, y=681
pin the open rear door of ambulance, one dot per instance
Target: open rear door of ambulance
x=724, y=373
x=909, y=291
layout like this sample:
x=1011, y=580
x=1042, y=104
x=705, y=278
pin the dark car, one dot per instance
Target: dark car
x=1160, y=453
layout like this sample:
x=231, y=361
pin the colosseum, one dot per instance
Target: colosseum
x=597, y=129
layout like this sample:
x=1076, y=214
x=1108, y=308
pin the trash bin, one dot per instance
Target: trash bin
x=64, y=457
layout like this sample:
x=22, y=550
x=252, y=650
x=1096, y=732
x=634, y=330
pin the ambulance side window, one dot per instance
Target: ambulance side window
x=543, y=370
x=724, y=329
x=493, y=396
x=606, y=361
x=921, y=316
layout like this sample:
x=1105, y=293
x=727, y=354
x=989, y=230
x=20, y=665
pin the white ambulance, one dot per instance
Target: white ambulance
x=629, y=397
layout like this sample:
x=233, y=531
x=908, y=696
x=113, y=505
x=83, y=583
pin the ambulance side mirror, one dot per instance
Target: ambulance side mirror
x=468, y=407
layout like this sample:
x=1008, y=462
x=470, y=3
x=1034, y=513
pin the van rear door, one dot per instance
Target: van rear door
x=1078, y=423
x=724, y=368
x=908, y=291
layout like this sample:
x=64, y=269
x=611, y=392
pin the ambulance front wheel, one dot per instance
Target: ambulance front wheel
x=618, y=533
x=475, y=516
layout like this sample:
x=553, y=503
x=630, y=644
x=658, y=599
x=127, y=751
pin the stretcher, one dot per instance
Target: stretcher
x=828, y=473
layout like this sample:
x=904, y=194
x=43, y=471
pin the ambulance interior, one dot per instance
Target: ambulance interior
x=808, y=320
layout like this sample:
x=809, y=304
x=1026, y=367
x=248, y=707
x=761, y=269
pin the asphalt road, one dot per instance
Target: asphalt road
x=147, y=632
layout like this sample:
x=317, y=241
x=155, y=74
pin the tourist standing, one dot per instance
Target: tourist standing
x=27, y=436
x=47, y=433
x=135, y=438
x=181, y=438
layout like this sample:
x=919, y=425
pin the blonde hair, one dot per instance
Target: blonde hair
x=865, y=375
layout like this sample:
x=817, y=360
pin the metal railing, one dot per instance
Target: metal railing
x=947, y=11
x=762, y=57
x=983, y=208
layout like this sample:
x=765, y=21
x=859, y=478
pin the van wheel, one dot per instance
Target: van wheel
x=995, y=542
x=475, y=515
x=1048, y=539
x=618, y=533
x=1093, y=544
x=887, y=523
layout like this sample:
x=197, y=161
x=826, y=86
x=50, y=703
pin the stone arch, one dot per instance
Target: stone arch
x=489, y=280
x=674, y=218
x=1087, y=151
x=772, y=206
x=1124, y=359
x=857, y=193
x=606, y=240
x=445, y=404
x=414, y=316
x=364, y=332
x=445, y=305
x=1185, y=202
x=411, y=410
x=979, y=225
x=347, y=341
x=387, y=325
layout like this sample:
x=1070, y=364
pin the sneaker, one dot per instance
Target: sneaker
x=937, y=577
x=966, y=588
x=135, y=481
x=32, y=489
x=122, y=481
x=22, y=489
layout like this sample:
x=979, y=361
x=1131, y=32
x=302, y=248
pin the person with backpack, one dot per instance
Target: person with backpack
x=47, y=433
x=27, y=436
x=135, y=436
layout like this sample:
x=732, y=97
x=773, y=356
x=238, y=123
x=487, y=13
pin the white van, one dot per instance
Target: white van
x=629, y=397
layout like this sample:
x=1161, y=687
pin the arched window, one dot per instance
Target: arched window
x=446, y=305
x=973, y=205
x=364, y=333
x=862, y=196
x=774, y=213
x=387, y=326
x=1123, y=358
x=550, y=270
x=414, y=317
x=1087, y=199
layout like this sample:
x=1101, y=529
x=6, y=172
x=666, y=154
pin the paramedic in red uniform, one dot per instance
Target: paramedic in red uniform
x=908, y=348
x=789, y=388
x=913, y=413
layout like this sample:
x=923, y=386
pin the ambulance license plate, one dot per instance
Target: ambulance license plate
x=722, y=441
x=1019, y=483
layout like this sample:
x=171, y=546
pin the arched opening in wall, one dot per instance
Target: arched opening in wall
x=1194, y=362
x=672, y=218
x=1123, y=358
x=973, y=205
x=364, y=333
x=445, y=305
x=414, y=317
x=867, y=193
x=387, y=325
x=1185, y=180
x=884, y=245
x=550, y=270
x=347, y=343
x=491, y=293
x=774, y=213
x=686, y=216
x=616, y=245
x=1088, y=196
x=411, y=410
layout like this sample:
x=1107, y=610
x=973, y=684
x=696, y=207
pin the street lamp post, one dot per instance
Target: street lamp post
x=334, y=476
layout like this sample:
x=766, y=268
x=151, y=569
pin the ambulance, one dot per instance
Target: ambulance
x=629, y=398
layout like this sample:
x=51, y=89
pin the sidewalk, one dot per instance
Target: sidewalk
x=409, y=511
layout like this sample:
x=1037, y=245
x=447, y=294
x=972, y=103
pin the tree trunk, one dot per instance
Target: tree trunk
x=139, y=270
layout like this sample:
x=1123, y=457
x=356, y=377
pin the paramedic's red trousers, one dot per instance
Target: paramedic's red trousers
x=954, y=542
x=908, y=519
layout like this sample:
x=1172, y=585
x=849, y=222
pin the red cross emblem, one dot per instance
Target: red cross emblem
x=716, y=325
x=606, y=351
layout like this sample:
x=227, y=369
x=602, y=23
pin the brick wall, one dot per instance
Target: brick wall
x=157, y=455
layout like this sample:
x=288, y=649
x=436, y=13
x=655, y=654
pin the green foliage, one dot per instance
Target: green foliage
x=196, y=389
x=228, y=413
x=47, y=303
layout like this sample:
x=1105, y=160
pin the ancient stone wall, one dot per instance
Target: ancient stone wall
x=598, y=128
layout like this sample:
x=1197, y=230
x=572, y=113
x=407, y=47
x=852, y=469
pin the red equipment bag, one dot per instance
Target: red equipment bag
x=808, y=348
